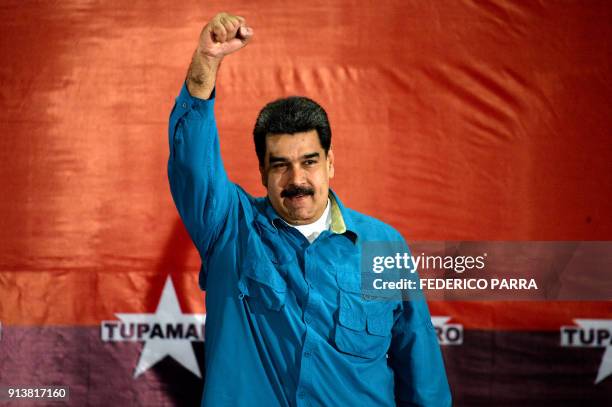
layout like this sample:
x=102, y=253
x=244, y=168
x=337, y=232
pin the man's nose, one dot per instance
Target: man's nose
x=297, y=175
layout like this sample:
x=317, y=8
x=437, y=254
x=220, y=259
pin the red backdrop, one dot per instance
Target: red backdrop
x=461, y=120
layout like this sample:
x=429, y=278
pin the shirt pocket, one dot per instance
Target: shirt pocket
x=265, y=286
x=362, y=327
x=260, y=280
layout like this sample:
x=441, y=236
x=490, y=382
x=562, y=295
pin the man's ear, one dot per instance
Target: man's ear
x=330, y=163
x=264, y=178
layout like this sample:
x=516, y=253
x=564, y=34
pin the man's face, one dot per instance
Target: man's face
x=296, y=173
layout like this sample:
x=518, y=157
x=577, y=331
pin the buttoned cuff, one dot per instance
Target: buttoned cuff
x=187, y=102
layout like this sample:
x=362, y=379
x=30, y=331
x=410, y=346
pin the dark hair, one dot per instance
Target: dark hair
x=290, y=115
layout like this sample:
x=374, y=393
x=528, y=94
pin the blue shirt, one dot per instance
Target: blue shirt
x=286, y=323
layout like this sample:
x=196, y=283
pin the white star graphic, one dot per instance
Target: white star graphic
x=439, y=321
x=605, y=368
x=154, y=350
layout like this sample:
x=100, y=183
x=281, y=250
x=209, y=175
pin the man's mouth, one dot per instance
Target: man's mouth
x=297, y=197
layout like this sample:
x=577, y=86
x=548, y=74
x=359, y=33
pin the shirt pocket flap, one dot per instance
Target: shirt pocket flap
x=352, y=320
x=264, y=283
x=267, y=275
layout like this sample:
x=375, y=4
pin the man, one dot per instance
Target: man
x=286, y=322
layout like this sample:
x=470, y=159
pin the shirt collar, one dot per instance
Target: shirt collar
x=342, y=223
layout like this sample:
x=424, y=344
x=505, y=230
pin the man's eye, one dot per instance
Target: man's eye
x=310, y=162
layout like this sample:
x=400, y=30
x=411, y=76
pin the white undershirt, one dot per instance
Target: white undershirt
x=314, y=229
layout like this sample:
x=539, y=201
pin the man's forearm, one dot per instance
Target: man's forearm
x=202, y=75
x=201, y=190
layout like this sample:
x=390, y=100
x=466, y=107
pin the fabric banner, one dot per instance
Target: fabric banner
x=474, y=120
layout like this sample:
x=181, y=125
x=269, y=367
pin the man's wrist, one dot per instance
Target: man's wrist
x=206, y=57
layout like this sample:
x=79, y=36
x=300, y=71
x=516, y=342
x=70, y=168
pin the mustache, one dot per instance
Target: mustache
x=295, y=190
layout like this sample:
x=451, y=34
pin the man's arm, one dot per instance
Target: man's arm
x=201, y=190
x=415, y=356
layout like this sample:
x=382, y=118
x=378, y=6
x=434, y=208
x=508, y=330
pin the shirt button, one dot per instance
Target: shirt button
x=307, y=318
x=240, y=296
x=307, y=354
x=184, y=105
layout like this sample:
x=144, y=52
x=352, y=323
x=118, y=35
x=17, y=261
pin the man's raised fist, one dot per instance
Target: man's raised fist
x=224, y=34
